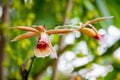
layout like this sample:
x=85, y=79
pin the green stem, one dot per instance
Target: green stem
x=28, y=72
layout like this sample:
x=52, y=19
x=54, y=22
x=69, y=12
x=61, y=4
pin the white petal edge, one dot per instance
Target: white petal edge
x=41, y=53
x=53, y=51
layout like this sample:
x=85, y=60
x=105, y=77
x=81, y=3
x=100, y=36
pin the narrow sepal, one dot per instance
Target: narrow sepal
x=24, y=36
x=27, y=28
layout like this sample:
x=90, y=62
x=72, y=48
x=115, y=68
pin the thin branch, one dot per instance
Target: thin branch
x=5, y=16
x=24, y=71
x=61, y=45
x=33, y=58
x=54, y=73
x=4, y=19
x=68, y=10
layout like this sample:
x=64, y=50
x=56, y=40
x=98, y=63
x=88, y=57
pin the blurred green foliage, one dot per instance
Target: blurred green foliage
x=52, y=13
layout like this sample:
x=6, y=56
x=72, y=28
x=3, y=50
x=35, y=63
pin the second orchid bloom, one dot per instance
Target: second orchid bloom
x=91, y=32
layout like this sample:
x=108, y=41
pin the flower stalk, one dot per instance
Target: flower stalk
x=44, y=46
x=25, y=73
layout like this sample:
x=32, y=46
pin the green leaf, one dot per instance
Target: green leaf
x=111, y=75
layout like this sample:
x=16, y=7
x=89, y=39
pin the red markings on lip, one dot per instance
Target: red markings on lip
x=42, y=44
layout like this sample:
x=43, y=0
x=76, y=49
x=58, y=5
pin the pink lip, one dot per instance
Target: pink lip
x=42, y=44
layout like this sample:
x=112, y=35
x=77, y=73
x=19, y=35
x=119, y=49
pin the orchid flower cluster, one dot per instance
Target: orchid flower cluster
x=44, y=46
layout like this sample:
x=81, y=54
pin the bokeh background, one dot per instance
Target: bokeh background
x=80, y=57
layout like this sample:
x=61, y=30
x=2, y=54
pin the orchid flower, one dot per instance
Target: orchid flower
x=44, y=46
x=92, y=31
